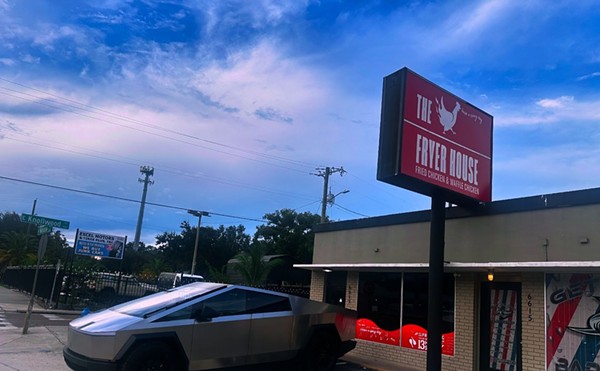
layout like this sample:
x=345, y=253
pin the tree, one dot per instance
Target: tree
x=215, y=247
x=252, y=265
x=17, y=232
x=17, y=249
x=11, y=221
x=288, y=232
x=57, y=248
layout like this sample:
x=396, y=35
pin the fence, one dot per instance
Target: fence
x=95, y=290
x=48, y=282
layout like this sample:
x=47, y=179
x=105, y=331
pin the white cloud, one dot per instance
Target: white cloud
x=258, y=13
x=588, y=76
x=470, y=23
x=573, y=165
x=28, y=58
x=7, y=61
x=262, y=77
x=561, y=102
x=51, y=34
x=547, y=111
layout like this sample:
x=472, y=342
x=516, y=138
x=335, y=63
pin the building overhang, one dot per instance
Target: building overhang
x=456, y=267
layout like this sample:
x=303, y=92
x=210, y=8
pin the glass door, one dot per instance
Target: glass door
x=500, y=327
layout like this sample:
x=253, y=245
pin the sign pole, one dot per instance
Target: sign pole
x=41, y=249
x=70, y=274
x=436, y=279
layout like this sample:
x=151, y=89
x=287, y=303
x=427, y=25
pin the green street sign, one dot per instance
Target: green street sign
x=40, y=220
x=43, y=229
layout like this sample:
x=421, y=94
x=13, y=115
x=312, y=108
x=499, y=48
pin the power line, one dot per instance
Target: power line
x=122, y=198
x=350, y=211
x=165, y=170
x=76, y=107
x=151, y=133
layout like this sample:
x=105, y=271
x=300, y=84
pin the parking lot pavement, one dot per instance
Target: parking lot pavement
x=289, y=366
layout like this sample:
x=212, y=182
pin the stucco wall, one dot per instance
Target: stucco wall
x=553, y=235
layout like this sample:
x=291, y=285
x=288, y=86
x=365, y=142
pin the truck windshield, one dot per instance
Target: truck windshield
x=166, y=299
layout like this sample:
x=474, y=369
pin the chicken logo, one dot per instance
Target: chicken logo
x=447, y=118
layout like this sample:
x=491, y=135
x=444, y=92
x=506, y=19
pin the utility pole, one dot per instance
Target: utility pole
x=148, y=171
x=30, y=306
x=199, y=214
x=325, y=172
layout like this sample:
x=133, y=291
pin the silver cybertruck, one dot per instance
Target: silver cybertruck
x=205, y=325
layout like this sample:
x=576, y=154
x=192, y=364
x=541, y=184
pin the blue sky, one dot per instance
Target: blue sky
x=236, y=103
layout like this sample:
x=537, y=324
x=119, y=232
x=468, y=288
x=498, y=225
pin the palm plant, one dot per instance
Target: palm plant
x=252, y=265
x=15, y=249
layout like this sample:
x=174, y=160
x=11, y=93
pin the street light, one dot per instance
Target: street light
x=330, y=199
x=199, y=214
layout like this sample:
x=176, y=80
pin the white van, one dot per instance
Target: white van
x=169, y=280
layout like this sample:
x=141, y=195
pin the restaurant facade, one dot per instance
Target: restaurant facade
x=521, y=286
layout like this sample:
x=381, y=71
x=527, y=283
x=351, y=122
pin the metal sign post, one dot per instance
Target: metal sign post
x=436, y=279
x=54, y=285
x=41, y=250
x=44, y=227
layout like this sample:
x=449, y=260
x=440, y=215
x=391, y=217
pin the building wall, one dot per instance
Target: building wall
x=317, y=285
x=540, y=235
x=533, y=322
x=352, y=290
x=553, y=228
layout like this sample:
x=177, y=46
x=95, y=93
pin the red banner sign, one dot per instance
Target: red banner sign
x=442, y=142
x=446, y=141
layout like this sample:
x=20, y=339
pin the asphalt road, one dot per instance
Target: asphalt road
x=17, y=319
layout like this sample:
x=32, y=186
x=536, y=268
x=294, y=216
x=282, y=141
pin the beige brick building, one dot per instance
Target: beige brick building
x=538, y=313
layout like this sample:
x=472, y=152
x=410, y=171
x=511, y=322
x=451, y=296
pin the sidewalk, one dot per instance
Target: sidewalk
x=40, y=349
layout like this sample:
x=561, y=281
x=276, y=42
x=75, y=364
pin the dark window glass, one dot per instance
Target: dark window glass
x=188, y=312
x=229, y=303
x=234, y=302
x=335, y=292
x=379, y=298
x=258, y=302
x=414, y=307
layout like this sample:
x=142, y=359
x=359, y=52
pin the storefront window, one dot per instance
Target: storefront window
x=415, y=308
x=379, y=307
x=381, y=296
x=335, y=292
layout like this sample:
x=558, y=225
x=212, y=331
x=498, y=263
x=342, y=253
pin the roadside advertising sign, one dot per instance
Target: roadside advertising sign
x=99, y=245
x=431, y=138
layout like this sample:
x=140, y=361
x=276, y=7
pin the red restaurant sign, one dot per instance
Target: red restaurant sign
x=432, y=139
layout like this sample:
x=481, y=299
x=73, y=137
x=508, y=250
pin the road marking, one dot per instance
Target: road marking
x=4, y=324
x=53, y=317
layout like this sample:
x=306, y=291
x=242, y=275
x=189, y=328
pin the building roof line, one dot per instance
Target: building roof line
x=584, y=197
x=454, y=267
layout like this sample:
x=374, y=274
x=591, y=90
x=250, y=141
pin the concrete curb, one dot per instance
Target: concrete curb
x=50, y=311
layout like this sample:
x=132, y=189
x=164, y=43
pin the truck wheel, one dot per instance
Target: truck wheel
x=152, y=356
x=321, y=352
